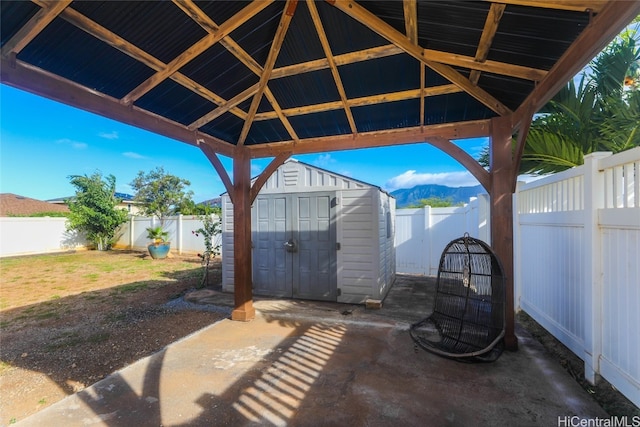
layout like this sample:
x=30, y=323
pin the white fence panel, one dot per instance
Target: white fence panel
x=133, y=234
x=577, y=263
x=26, y=236
x=422, y=234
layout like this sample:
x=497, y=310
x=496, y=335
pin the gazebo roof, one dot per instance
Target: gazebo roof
x=275, y=76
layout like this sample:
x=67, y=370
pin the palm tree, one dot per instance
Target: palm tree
x=599, y=112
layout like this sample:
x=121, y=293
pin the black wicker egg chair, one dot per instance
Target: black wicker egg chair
x=468, y=321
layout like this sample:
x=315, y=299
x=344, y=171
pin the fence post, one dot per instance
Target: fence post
x=426, y=241
x=517, y=251
x=593, y=200
x=179, y=233
x=131, y=232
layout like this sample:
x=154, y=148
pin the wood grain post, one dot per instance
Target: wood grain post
x=501, y=200
x=243, y=288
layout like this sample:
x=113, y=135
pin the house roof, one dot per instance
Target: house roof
x=16, y=205
x=300, y=77
x=126, y=198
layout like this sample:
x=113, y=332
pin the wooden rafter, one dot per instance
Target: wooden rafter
x=34, y=26
x=410, y=9
x=573, y=5
x=464, y=159
x=423, y=92
x=200, y=46
x=385, y=30
x=266, y=173
x=385, y=138
x=490, y=27
x=211, y=154
x=602, y=29
x=278, y=38
x=495, y=67
x=236, y=50
x=315, y=17
x=77, y=19
x=366, y=100
x=224, y=107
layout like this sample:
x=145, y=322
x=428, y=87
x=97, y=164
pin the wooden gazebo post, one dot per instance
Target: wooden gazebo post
x=243, y=292
x=501, y=167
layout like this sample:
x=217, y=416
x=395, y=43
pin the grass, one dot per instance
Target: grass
x=28, y=281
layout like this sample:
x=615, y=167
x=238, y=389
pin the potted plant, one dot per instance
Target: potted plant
x=159, y=247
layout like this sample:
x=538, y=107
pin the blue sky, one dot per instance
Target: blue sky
x=43, y=142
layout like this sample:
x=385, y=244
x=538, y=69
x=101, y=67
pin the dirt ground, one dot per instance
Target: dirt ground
x=95, y=323
x=65, y=326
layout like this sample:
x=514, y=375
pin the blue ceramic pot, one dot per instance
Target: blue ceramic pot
x=159, y=250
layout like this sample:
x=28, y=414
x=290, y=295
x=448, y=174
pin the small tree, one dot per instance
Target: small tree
x=161, y=194
x=93, y=209
x=211, y=227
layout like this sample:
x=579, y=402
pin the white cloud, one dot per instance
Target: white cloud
x=109, y=135
x=410, y=179
x=132, y=155
x=323, y=161
x=74, y=144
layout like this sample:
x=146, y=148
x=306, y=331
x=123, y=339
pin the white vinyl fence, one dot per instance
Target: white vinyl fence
x=576, y=258
x=577, y=263
x=422, y=234
x=27, y=236
x=133, y=234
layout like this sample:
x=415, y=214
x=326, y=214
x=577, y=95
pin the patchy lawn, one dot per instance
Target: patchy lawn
x=68, y=320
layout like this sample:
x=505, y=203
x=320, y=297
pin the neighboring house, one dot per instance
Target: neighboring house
x=130, y=205
x=16, y=205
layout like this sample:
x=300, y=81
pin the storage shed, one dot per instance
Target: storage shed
x=316, y=235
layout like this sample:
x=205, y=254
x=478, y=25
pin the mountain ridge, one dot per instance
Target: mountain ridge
x=406, y=197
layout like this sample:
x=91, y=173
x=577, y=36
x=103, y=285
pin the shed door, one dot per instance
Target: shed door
x=294, y=242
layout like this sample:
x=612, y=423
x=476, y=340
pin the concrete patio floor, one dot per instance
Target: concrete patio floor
x=325, y=364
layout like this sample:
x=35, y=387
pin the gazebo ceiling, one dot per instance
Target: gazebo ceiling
x=304, y=76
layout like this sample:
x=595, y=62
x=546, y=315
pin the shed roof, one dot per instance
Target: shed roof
x=304, y=76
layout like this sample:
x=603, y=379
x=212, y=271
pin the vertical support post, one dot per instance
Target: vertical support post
x=593, y=200
x=501, y=175
x=242, y=292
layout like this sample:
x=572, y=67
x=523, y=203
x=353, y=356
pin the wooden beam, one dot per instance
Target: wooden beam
x=410, y=9
x=324, y=41
x=464, y=159
x=276, y=44
x=224, y=107
x=423, y=93
x=367, y=100
x=34, y=26
x=494, y=67
x=217, y=165
x=75, y=18
x=386, y=138
x=604, y=27
x=572, y=5
x=521, y=141
x=40, y=82
x=192, y=52
x=269, y=170
x=486, y=39
x=242, y=263
x=236, y=50
x=501, y=202
x=344, y=59
x=385, y=30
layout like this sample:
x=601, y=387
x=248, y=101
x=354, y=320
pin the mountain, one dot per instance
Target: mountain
x=409, y=196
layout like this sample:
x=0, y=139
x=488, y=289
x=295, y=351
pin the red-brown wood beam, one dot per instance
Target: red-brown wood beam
x=501, y=200
x=217, y=165
x=242, y=287
x=269, y=170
